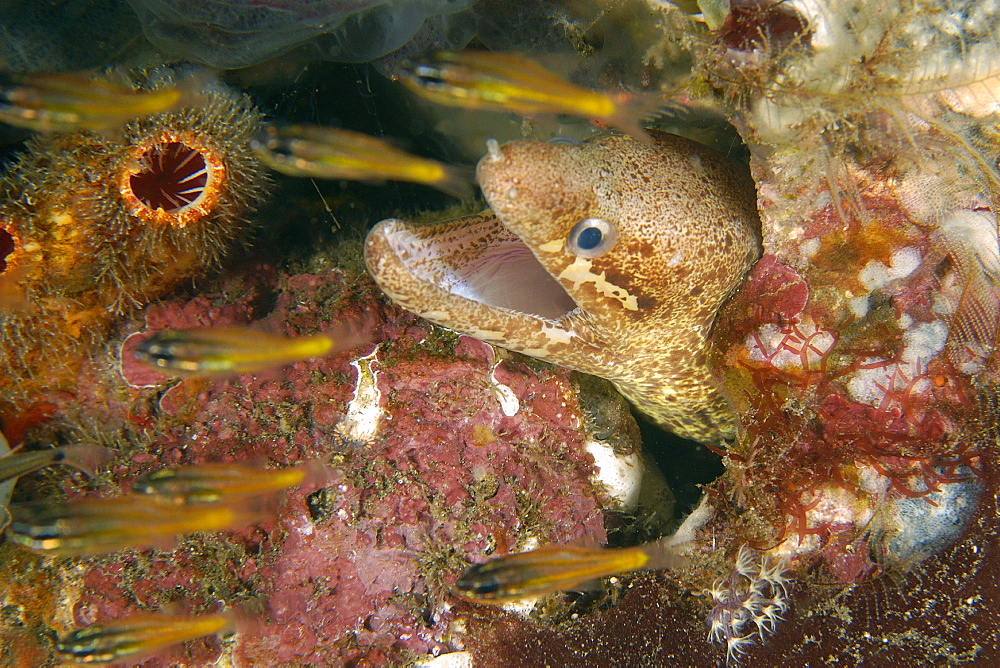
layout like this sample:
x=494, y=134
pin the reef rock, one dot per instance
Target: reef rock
x=441, y=452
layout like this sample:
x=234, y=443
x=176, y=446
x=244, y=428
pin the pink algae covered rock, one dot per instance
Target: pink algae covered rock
x=439, y=455
x=448, y=478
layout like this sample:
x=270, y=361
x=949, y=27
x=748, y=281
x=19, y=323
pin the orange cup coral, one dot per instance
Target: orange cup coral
x=93, y=226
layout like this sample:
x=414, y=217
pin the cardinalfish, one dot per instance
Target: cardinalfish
x=51, y=102
x=86, y=458
x=332, y=153
x=212, y=483
x=236, y=350
x=138, y=636
x=510, y=82
x=555, y=568
x=96, y=526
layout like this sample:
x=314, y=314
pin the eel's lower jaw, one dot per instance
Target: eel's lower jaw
x=443, y=269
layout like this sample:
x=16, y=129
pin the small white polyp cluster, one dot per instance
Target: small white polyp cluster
x=749, y=603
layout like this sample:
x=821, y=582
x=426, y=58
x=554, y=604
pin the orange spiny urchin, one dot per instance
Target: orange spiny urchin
x=94, y=226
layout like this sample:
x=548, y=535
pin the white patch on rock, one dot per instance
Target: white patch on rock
x=924, y=341
x=902, y=263
x=509, y=403
x=449, y=660
x=912, y=529
x=363, y=412
x=881, y=382
x=809, y=247
x=833, y=505
x=621, y=475
x=797, y=345
x=858, y=306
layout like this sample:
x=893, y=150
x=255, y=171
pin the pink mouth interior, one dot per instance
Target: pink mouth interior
x=494, y=269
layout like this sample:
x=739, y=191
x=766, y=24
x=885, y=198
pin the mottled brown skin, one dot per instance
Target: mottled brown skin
x=688, y=232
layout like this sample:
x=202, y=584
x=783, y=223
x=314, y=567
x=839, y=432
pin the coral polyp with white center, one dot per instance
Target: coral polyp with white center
x=100, y=225
x=184, y=185
x=176, y=180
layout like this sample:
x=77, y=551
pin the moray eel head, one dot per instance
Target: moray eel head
x=606, y=256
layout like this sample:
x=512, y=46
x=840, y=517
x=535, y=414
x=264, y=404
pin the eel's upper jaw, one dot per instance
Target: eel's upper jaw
x=469, y=275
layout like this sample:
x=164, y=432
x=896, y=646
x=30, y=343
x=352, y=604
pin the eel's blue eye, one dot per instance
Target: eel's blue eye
x=591, y=237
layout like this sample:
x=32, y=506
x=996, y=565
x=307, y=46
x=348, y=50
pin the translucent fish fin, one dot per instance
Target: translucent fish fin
x=975, y=330
x=594, y=585
x=971, y=239
x=632, y=110
x=666, y=553
x=458, y=181
x=86, y=457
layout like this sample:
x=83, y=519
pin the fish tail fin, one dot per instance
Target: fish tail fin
x=457, y=181
x=193, y=89
x=319, y=473
x=350, y=333
x=975, y=330
x=974, y=337
x=634, y=109
x=666, y=553
x=85, y=457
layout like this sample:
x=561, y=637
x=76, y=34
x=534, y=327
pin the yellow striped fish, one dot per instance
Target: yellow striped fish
x=96, y=526
x=86, y=458
x=236, y=350
x=224, y=481
x=513, y=83
x=138, y=636
x=555, y=568
x=333, y=153
x=51, y=102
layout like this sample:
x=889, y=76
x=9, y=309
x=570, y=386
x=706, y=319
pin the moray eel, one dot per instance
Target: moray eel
x=605, y=256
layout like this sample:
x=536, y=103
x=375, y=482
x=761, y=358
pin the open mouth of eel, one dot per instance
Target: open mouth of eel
x=474, y=258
